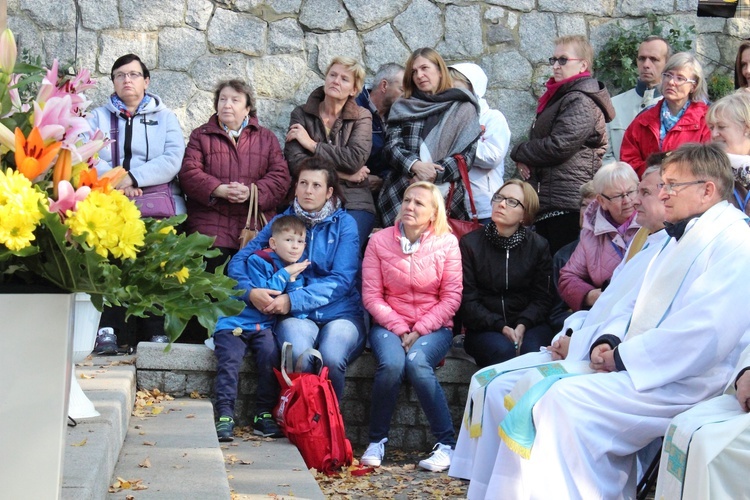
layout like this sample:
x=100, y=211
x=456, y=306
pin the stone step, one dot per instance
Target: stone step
x=92, y=447
x=174, y=453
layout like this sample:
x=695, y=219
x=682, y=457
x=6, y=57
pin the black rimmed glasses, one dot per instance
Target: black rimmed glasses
x=669, y=187
x=620, y=197
x=133, y=75
x=511, y=202
x=562, y=61
x=677, y=79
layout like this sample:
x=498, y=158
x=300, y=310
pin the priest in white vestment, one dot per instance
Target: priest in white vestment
x=706, y=453
x=680, y=346
x=476, y=452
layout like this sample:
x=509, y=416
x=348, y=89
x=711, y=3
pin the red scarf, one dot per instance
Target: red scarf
x=553, y=86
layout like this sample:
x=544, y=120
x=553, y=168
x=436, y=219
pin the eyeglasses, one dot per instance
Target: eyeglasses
x=562, y=61
x=677, y=79
x=133, y=75
x=669, y=188
x=511, y=202
x=619, y=197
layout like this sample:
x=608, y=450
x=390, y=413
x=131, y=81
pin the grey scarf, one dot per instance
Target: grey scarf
x=447, y=135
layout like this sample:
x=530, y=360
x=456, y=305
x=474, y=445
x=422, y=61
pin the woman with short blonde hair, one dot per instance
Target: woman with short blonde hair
x=331, y=125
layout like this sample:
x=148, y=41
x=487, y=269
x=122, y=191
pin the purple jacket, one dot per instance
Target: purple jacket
x=595, y=258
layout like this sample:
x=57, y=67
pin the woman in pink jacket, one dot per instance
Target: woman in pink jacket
x=608, y=227
x=412, y=284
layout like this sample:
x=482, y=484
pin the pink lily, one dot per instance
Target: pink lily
x=15, y=97
x=85, y=152
x=56, y=120
x=68, y=197
x=49, y=84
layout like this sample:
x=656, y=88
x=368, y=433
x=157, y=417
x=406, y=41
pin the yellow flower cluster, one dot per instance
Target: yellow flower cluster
x=111, y=222
x=19, y=210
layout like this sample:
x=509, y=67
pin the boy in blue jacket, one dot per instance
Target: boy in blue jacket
x=275, y=269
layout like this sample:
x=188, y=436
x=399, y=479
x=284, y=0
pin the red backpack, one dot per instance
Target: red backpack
x=308, y=413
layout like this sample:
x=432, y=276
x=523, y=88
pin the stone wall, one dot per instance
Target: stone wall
x=283, y=46
x=192, y=368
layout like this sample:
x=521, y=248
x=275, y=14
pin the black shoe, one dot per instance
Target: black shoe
x=264, y=425
x=106, y=342
x=225, y=429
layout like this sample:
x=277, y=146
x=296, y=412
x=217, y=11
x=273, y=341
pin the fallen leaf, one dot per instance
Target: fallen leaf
x=145, y=464
x=157, y=409
x=124, y=483
x=149, y=443
x=246, y=462
x=409, y=467
x=84, y=376
x=283, y=485
x=190, y=416
x=82, y=443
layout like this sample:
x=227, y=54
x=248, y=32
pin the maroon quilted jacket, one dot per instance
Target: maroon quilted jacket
x=211, y=159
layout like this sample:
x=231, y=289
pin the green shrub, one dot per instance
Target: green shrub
x=719, y=85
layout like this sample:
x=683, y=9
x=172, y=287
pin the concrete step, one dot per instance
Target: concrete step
x=92, y=447
x=173, y=453
x=268, y=468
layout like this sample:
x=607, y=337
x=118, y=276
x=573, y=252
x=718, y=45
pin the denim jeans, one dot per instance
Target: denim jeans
x=339, y=341
x=365, y=222
x=229, y=351
x=489, y=348
x=418, y=367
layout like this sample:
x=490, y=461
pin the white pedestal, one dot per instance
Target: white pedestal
x=36, y=335
x=86, y=326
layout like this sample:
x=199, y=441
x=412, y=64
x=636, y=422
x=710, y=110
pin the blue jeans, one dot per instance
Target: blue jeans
x=229, y=351
x=339, y=341
x=418, y=367
x=365, y=222
x=489, y=348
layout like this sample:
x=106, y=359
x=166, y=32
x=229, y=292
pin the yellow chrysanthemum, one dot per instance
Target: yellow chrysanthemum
x=111, y=222
x=167, y=230
x=19, y=210
x=182, y=275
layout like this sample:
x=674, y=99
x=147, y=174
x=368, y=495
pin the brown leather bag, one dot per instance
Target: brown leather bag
x=255, y=218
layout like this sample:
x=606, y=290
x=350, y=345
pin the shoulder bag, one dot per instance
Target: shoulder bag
x=255, y=218
x=458, y=226
x=156, y=201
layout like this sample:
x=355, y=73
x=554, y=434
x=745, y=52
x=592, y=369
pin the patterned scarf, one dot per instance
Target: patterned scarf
x=553, y=87
x=123, y=109
x=234, y=134
x=512, y=241
x=668, y=121
x=312, y=218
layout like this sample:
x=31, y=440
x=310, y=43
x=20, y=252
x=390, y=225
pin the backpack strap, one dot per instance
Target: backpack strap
x=263, y=254
x=114, y=133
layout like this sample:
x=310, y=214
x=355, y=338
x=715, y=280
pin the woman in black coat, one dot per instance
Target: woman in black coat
x=507, y=280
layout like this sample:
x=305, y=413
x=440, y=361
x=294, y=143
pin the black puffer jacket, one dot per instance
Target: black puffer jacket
x=566, y=143
x=505, y=287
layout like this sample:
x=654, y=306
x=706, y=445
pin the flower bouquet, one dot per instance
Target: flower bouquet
x=63, y=225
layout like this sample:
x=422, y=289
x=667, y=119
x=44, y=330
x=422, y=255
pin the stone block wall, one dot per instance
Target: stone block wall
x=284, y=46
x=192, y=368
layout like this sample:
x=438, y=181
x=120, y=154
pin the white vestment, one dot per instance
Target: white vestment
x=589, y=427
x=475, y=458
x=706, y=452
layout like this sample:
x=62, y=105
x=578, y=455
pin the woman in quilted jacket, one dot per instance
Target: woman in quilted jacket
x=567, y=140
x=608, y=227
x=223, y=157
x=412, y=288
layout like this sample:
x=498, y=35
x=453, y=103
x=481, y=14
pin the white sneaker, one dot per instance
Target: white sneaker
x=374, y=453
x=439, y=460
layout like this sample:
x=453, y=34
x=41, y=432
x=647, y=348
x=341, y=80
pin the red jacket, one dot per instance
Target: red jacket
x=211, y=159
x=642, y=136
